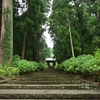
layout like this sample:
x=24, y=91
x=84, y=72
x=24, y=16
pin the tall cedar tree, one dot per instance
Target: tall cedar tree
x=28, y=29
x=6, y=42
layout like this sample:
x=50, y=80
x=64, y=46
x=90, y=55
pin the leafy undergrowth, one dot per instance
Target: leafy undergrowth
x=85, y=65
x=21, y=67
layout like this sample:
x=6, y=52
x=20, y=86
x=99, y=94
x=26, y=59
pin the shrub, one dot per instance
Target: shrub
x=45, y=66
x=42, y=66
x=84, y=64
x=21, y=67
x=12, y=71
x=33, y=66
x=2, y=73
x=25, y=66
x=16, y=59
x=69, y=65
x=97, y=53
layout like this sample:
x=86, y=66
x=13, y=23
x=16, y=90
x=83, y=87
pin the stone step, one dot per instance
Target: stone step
x=45, y=82
x=49, y=99
x=47, y=86
x=49, y=94
x=43, y=78
x=48, y=73
x=46, y=76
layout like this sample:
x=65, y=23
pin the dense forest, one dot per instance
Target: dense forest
x=27, y=32
x=75, y=27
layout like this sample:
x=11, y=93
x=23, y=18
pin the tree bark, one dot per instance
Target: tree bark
x=25, y=34
x=24, y=45
x=71, y=41
x=6, y=4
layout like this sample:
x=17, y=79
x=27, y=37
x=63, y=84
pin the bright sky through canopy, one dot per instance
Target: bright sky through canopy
x=48, y=38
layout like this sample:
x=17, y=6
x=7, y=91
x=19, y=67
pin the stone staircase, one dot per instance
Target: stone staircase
x=48, y=84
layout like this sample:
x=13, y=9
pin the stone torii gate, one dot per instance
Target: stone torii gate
x=51, y=60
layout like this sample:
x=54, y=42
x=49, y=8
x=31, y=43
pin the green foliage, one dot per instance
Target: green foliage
x=59, y=29
x=7, y=36
x=7, y=70
x=45, y=66
x=42, y=66
x=12, y=71
x=85, y=27
x=58, y=66
x=45, y=51
x=2, y=72
x=25, y=66
x=16, y=58
x=86, y=65
x=20, y=67
x=32, y=25
x=97, y=53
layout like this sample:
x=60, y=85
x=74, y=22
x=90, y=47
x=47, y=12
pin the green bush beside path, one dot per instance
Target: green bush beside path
x=85, y=65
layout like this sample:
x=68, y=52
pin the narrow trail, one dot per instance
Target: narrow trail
x=49, y=84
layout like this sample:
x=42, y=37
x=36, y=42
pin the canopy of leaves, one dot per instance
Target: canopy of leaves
x=84, y=17
x=30, y=21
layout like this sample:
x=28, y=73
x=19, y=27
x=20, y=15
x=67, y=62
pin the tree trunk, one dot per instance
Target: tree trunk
x=6, y=30
x=24, y=45
x=71, y=41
